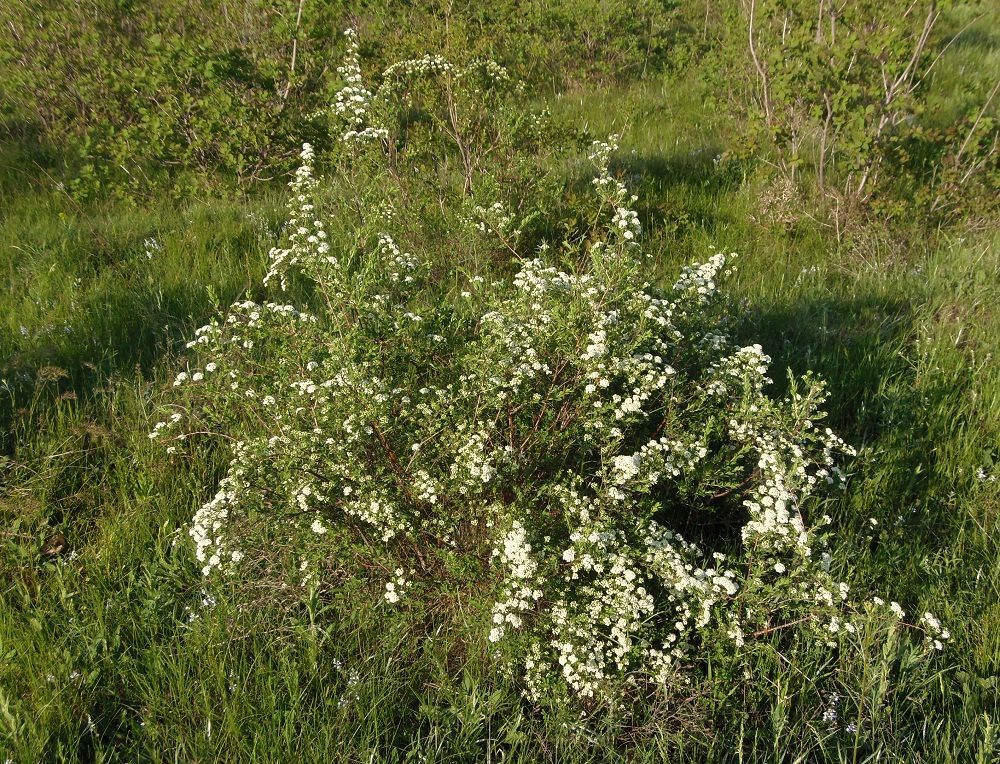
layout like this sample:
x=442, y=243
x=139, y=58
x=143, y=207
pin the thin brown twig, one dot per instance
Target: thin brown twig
x=781, y=627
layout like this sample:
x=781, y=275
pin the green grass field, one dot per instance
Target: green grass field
x=110, y=651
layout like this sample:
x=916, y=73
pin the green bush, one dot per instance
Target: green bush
x=597, y=461
x=176, y=94
x=838, y=97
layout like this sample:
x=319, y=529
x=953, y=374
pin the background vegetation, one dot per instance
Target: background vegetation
x=142, y=172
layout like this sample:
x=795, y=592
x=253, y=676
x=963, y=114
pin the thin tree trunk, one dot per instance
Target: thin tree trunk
x=295, y=50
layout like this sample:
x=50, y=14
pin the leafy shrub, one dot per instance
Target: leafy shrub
x=838, y=95
x=838, y=81
x=596, y=458
x=142, y=96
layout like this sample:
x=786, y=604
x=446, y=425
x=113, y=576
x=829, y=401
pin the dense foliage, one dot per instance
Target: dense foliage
x=142, y=96
x=560, y=435
x=135, y=98
x=841, y=94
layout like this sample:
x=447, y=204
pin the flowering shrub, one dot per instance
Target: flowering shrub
x=603, y=452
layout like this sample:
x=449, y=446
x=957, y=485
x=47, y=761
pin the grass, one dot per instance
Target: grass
x=109, y=652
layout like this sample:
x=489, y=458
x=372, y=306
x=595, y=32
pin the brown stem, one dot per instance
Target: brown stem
x=765, y=88
x=295, y=50
x=782, y=626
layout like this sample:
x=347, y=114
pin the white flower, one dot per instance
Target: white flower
x=317, y=527
x=627, y=467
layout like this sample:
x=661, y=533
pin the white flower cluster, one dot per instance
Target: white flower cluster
x=937, y=635
x=397, y=587
x=353, y=101
x=625, y=227
x=426, y=65
x=151, y=247
x=521, y=592
x=747, y=364
x=474, y=464
x=208, y=528
x=401, y=265
x=697, y=281
x=488, y=69
x=361, y=111
x=496, y=219
x=308, y=247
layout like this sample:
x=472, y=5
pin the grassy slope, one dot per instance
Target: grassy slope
x=112, y=654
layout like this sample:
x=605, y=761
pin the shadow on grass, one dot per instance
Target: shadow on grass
x=882, y=401
x=676, y=193
x=707, y=168
x=854, y=344
x=685, y=190
x=122, y=333
x=27, y=160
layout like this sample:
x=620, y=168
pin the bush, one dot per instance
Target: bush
x=140, y=97
x=839, y=96
x=596, y=459
x=176, y=94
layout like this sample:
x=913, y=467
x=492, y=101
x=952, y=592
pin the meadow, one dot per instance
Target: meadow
x=115, y=647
